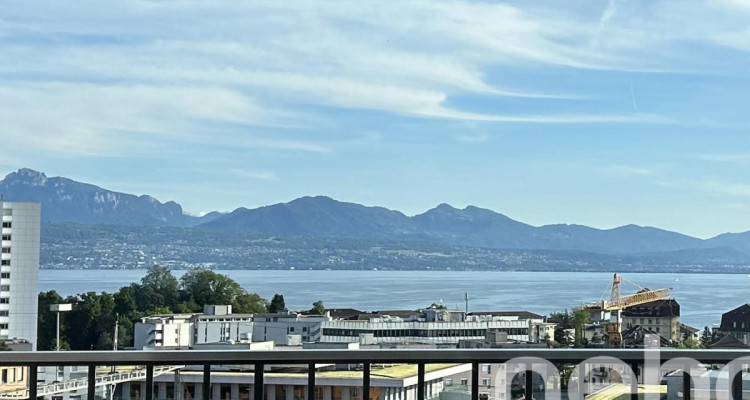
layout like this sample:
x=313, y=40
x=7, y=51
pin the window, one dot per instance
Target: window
x=4, y=300
x=3, y=326
x=4, y=288
x=7, y=225
x=291, y=329
x=6, y=250
x=464, y=381
x=486, y=368
x=486, y=382
x=4, y=313
x=448, y=381
x=6, y=237
x=5, y=262
x=5, y=275
x=7, y=212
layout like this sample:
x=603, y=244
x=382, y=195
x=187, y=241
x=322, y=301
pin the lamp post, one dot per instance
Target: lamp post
x=58, y=308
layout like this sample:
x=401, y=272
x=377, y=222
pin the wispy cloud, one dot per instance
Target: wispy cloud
x=630, y=170
x=473, y=138
x=84, y=85
x=244, y=173
x=725, y=157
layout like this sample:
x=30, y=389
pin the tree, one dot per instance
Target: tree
x=277, y=304
x=318, y=308
x=595, y=338
x=47, y=321
x=205, y=287
x=438, y=306
x=4, y=346
x=690, y=343
x=706, y=337
x=159, y=288
x=579, y=318
x=250, y=303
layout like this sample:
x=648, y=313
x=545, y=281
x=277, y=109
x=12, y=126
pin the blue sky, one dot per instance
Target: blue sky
x=601, y=113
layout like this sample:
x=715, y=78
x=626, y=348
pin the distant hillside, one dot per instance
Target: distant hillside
x=73, y=246
x=472, y=226
x=65, y=200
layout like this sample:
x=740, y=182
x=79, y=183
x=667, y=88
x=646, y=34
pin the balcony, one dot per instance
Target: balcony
x=648, y=366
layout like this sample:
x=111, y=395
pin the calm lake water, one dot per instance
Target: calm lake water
x=703, y=298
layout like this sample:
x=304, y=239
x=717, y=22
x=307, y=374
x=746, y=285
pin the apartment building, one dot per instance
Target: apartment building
x=19, y=270
x=181, y=331
x=439, y=327
x=661, y=316
x=736, y=323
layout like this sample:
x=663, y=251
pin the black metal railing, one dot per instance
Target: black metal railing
x=636, y=359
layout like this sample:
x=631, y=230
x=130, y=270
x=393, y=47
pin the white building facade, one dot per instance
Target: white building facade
x=19, y=270
x=216, y=324
x=398, y=331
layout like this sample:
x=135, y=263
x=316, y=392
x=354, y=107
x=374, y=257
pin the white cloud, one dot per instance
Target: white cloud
x=90, y=83
x=630, y=170
x=725, y=157
x=244, y=173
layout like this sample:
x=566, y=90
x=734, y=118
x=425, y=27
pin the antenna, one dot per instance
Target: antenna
x=466, y=299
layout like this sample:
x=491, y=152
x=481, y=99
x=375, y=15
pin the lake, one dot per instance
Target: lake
x=702, y=297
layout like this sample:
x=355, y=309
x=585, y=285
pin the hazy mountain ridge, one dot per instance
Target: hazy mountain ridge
x=473, y=226
x=66, y=200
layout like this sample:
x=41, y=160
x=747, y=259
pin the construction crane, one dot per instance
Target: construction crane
x=617, y=303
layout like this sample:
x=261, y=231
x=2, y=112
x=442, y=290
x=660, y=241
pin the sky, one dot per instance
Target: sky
x=601, y=113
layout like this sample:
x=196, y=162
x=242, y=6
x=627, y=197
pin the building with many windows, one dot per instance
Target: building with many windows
x=661, y=316
x=178, y=331
x=19, y=270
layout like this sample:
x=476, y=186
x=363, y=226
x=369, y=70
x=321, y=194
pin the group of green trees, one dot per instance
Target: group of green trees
x=91, y=323
x=574, y=319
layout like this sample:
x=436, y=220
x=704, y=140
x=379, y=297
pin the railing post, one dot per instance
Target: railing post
x=91, y=390
x=475, y=381
x=634, y=381
x=310, y=381
x=206, y=388
x=149, y=382
x=529, y=389
x=420, y=381
x=33, y=369
x=365, y=381
x=686, y=382
x=258, y=385
x=736, y=383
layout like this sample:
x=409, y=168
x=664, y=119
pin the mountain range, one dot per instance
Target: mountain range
x=65, y=200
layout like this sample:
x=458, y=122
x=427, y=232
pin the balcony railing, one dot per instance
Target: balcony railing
x=638, y=360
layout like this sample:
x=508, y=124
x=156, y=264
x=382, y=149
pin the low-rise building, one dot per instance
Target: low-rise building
x=440, y=327
x=177, y=331
x=736, y=323
x=661, y=316
x=288, y=329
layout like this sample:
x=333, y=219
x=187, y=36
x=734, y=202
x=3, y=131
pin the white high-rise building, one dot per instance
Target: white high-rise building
x=19, y=270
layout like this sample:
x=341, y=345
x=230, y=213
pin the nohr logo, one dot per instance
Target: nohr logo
x=599, y=372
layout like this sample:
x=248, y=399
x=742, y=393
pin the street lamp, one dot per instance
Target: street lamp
x=58, y=308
